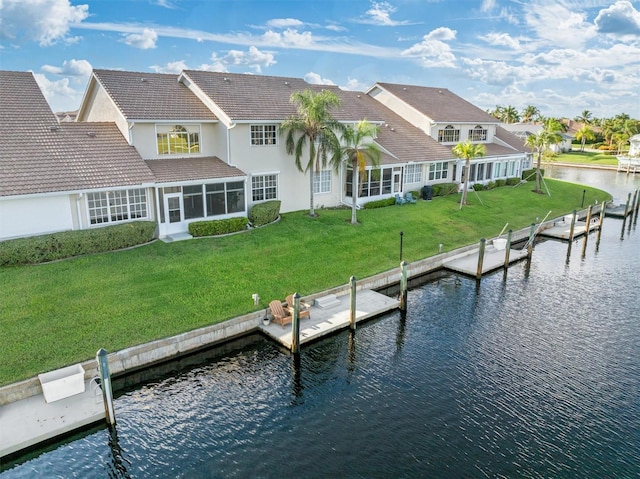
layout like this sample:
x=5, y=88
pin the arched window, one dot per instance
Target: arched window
x=478, y=134
x=449, y=135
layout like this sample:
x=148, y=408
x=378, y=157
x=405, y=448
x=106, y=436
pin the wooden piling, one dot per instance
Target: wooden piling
x=532, y=234
x=295, y=323
x=603, y=207
x=483, y=243
x=403, y=286
x=507, y=249
x=105, y=384
x=586, y=231
x=635, y=218
x=352, y=311
x=573, y=225
x=626, y=206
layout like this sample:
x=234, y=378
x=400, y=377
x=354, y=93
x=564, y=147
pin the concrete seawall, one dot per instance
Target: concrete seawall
x=148, y=354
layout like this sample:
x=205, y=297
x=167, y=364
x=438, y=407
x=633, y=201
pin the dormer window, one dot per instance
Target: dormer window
x=478, y=134
x=449, y=135
x=178, y=139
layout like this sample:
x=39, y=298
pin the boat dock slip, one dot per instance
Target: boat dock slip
x=494, y=258
x=562, y=229
x=330, y=314
x=31, y=421
x=619, y=211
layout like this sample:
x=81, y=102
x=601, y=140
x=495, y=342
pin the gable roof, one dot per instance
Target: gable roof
x=39, y=155
x=395, y=134
x=152, y=96
x=438, y=104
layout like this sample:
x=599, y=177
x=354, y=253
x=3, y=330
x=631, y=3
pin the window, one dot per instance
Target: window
x=224, y=198
x=115, y=206
x=478, y=134
x=413, y=173
x=448, y=135
x=193, y=202
x=438, y=170
x=488, y=170
x=178, y=139
x=480, y=171
x=263, y=135
x=264, y=187
x=322, y=182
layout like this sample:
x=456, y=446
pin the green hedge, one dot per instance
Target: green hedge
x=478, y=186
x=501, y=182
x=513, y=181
x=379, y=203
x=531, y=173
x=55, y=246
x=264, y=213
x=217, y=227
x=444, y=189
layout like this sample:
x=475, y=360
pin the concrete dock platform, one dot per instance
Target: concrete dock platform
x=494, y=258
x=619, y=211
x=334, y=317
x=31, y=421
x=562, y=229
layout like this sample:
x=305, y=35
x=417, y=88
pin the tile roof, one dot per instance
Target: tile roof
x=396, y=135
x=39, y=155
x=511, y=139
x=152, y=96
x=439, y=104
x=184, y=169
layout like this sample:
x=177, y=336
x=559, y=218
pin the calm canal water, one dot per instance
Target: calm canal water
x=533, y=374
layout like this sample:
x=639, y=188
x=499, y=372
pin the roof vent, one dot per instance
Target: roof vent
x=404, y=88
x=144, y=80
x=358, y=96
x=286, y=82
x=226, y=79
x=91, y=134
x=54, y=127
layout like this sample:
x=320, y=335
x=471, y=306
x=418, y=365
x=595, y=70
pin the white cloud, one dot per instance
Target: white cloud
x=288, y=38
x=284, y=23
x=44, y=21
x=166, y=4
x=74, y=68
x=380, y=14
x=253, y=58
x=432, y=51
x=555, y=24
x=354, y=84
x=60, y=95
x=501, y=39
x=316, y=79
x=170, y=67
x=487, y=5
x=145, y=40
x=619, y=19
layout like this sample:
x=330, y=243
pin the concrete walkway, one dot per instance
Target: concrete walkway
x=30, y=421
x=334, y=317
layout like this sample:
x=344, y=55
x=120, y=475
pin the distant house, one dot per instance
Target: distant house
x=63, y=176
x=206, y=145
x=524, y=130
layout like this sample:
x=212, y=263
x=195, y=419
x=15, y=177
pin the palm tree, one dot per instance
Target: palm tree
x=583, y=134
x=510, y=115
x=314, y=124
x=586, y=117
x=467, y=151
x=358, y=148
x=540, y=142
x=530, y=113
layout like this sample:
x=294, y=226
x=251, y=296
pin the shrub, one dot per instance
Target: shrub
x=444, y=189
x=55, y=246
x=491, y=185
x=264, y=213
x=217, y=227
x=513, y=181
x=379, y=203
x=531, y=173
x=478, y=186
x=501, y=182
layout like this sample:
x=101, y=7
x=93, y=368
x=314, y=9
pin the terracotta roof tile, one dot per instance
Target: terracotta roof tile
x=152, y=96
x=439, y=104
x=39, y=155
x=184, y=169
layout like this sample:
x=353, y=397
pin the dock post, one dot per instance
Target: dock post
x=483, y=242
x=633, y=203
x=352, y=313
x=295, y=325
x=403, y=286
x=105, y=383
x=603, y=207
x=635, y=219
x=507, y=250
x=573, y=225
x=586, y=231
x=626, y=207
x=532, y=234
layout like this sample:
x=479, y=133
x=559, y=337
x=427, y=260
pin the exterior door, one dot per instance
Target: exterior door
x=173, y=213
x=397, y=181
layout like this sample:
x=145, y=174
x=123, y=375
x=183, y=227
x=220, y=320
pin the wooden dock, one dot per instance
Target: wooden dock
x=334, y=316
x=619, y=211
x=494, y=258
x=561, y=229
x=31, y=421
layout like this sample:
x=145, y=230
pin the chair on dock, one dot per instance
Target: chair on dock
x=408, y=197
x=305, y=309
x=280, y=316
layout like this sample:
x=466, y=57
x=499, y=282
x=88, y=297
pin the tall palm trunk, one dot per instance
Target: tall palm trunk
x=354, y=192
x=465, y=186
x=538, y=172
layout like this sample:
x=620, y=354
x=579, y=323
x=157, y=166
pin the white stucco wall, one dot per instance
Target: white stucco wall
x=144, y=137
x=100, y=107
x=34, y=216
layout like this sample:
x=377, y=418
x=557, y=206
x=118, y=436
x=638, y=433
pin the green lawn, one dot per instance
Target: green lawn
x=590, y=158
x=61, y=313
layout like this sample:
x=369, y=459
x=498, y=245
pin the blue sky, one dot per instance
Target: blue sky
x=563, y=56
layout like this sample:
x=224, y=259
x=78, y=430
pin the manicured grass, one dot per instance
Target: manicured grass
x=61, y=313
x=590, y=158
